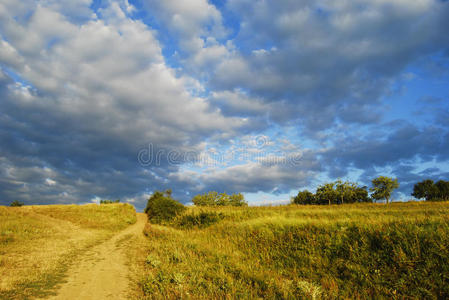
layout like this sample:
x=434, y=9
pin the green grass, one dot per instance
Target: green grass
x=39, y=243
x=289, y=252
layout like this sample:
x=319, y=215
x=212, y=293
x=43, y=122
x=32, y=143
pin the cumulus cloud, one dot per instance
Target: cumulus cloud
x=86, y=98
x=276, y=174
x=329, y=54
x=84, y=90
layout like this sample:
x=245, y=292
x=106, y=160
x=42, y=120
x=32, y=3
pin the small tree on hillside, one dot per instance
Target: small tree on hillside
x=361, y=195
x=326, y=194
x=109, y=201
x=442, y=190
x=219, y=199
x=304, y=197
x=237, y=200
x=424, y=189
x=346, y=191
x=162, y=207
x=383, y=187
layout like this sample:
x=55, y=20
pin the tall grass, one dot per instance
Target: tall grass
x=289, y=252
x=39, y=243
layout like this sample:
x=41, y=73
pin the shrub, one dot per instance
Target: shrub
x=304, y=197
x=201, y=220
x=161, y=207
x=109, y=201
x=16, y=203
x=216, y=199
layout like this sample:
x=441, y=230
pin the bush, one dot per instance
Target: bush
x=201, y=220
x=161, y=207
x=216, y=199
x=304, y=197
x=16, y=203
x=109, y=201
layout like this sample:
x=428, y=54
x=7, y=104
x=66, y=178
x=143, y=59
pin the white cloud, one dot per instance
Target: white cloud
x=50, y=182
x=93, y=94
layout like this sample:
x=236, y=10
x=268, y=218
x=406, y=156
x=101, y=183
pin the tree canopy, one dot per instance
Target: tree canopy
x=219, y=199
x=431, y=191
x=162, y=207
x=16, y=203
x=382, y=188
x=337, y=192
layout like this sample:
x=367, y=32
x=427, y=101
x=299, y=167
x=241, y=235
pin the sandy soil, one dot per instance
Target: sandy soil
x=102, y=273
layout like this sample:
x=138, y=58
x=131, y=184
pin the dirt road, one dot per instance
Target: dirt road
x=102, y=272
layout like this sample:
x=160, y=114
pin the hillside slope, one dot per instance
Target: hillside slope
x=289, y=252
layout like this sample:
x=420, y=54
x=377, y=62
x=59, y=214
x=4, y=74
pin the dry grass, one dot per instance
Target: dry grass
x=39, y=243
x=290, y=252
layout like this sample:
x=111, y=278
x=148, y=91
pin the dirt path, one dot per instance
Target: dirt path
x=102, y=272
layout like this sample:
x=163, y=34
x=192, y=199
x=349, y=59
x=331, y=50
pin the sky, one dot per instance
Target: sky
x=116, y=99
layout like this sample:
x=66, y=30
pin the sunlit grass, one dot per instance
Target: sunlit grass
x=38, y=243
x=290, y=252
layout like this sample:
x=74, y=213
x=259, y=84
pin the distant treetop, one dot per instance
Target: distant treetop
x=109, y=201
x=219, y=199
x=16, y=203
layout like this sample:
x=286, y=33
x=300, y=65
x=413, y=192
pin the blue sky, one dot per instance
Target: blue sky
x=117, y=99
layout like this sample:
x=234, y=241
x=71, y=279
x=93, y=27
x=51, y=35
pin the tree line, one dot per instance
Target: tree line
x=340, y=192
x=431, y=191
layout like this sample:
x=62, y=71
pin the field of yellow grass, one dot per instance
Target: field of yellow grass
x=289, y=252
x=39, y=243
x=285, y=252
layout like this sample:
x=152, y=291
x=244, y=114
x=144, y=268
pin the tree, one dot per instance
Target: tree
x=16, y=203
x=162, y=207
x=326, y=194
x=361, y=195
x=346, y=191
x=383, y=187
x=431, y=191
x=215, y=199
x=425, y=189
x=237, y=200
x=304, y=197
x=442, y=190
x=109, y=201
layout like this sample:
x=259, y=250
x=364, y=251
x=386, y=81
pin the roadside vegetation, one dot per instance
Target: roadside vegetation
x=360, y=250
x=39, y=243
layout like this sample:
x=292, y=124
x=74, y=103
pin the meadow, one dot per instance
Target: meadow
x=363, y=251
x=360, y=251
x=39, y=243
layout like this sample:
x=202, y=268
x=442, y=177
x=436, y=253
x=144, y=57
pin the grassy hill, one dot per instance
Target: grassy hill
x=39, y=243
x=356, y=251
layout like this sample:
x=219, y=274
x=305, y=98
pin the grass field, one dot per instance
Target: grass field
x=39, y=243
x=289, y=252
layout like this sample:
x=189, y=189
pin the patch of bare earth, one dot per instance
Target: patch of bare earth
x=102, y=272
